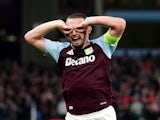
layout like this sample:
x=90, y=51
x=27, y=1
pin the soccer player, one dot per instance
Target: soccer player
x=84, y=63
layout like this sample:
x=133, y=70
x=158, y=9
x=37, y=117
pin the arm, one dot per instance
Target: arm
x=35, y=37
x=116, y=25
x=111, y=37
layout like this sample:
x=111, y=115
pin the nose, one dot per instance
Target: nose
x=74, y=32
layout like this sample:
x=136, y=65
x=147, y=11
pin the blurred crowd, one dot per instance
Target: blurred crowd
x=137, y=83
x=136, y=80
x=23, y=87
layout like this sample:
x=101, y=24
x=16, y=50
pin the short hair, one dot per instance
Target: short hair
x=76, y=15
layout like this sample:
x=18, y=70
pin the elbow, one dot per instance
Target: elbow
x=119, y=27
x=122, y=24
x=28, y=37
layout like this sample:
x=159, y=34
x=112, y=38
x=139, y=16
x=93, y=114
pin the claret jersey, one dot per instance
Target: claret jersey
x=85, y=74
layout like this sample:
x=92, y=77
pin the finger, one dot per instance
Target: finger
x=67, y=30
x=80, y=28
x=83, y=24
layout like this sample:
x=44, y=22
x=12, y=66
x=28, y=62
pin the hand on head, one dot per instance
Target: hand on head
x=63, y=27
x=82, y=27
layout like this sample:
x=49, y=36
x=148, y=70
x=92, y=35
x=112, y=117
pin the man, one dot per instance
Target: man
x=84, y=63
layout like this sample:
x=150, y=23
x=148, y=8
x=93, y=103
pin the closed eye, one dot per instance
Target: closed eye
x=67, y=30
x=80, y=29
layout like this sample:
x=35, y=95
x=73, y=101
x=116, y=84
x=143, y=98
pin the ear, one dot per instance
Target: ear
x=89, y=29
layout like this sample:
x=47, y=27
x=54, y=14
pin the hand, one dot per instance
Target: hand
x=63, y=27
x=82, y=27
x=85, y=23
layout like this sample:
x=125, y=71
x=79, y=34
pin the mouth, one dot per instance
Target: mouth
x=76, y=38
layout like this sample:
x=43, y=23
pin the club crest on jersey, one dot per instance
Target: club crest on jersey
x=88, y=51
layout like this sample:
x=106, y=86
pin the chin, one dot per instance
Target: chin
x=78, y=46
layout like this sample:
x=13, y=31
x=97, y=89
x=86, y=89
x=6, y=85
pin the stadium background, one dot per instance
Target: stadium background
x=30, y=87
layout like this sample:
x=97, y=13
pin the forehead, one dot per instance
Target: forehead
x=74, y=21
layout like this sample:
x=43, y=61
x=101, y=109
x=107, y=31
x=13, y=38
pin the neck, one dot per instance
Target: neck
x=81, y=46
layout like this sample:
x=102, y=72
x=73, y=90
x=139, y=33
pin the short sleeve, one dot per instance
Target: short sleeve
x=53, y=48
x=107, y=48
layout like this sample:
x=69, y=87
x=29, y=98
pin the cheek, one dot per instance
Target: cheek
x=83, y=34
x=67, y=37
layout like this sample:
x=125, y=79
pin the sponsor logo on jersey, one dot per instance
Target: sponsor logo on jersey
x=82, y=60
x=70, y=52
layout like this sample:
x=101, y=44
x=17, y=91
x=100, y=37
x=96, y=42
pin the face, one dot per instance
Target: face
x=78, y=35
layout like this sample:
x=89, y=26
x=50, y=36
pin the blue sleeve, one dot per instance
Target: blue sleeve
x=53, y=48
x=107, y=48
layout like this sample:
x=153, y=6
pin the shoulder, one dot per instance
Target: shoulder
x=53, y=48
x=49, y=44
x=107, y=48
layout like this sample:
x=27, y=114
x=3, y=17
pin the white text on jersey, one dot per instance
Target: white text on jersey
x=83, y=60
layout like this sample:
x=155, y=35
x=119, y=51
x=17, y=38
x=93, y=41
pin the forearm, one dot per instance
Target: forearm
x=35, y=37
x=116, y=24
x=40, y=31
